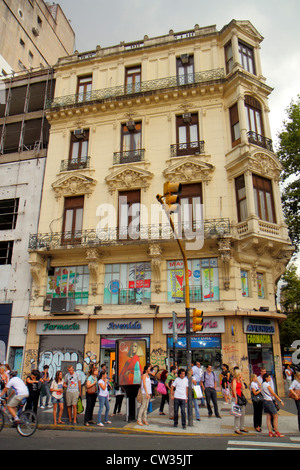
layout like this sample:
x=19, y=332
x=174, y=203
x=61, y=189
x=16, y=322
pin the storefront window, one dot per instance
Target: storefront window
x=244, y=281
x=203, y=280
x=72, y=281
x=127, y=283
x=205, y=348
x=260, y=285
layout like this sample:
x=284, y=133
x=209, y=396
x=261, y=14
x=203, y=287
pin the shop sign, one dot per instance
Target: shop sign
x=124, y=326
x=197, y=342
x=210, y=325
x=258, y=339
x=259, y=326
x=62, y=327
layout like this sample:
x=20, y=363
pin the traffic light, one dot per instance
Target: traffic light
x=197, y=320
x=171, y=191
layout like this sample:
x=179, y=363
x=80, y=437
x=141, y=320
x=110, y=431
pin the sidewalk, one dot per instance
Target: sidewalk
x=161, y=424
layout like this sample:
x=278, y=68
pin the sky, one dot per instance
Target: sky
x=107, y=23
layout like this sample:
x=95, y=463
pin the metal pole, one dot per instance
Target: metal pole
x=187, y=320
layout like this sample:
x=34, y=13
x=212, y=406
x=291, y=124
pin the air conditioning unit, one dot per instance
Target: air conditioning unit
x=62, y=305
x=187, y=117
x=79, y=133
x=130, y=125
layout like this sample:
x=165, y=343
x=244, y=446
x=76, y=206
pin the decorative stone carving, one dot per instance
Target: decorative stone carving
x=129, y=177
x=265, y=165
x=37, y=269
x=225, y=253
x=189, y=169
x=155, y=254
x=73, y=184
x=92, y=256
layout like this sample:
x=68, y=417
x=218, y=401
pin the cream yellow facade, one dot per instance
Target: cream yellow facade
x=193, y=99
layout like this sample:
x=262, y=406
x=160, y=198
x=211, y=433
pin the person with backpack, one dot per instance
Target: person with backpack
x=209, y=386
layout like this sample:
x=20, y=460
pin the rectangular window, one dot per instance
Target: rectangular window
x=260, y=285
x=263, y=198
x=84, y=88
x=129, y=214
x=190, y=200
x=187, y=134
x=71, y=281
x=8, y=213
x=79, y=148
x=6, y=250
x=228, y=57
x=203, y=280
x=235, y=125
x=185, y=69
x=72, y=222
x=247, y=57
x=241, y=198
x=127, y=283
x=133, y=79
x=244, y=282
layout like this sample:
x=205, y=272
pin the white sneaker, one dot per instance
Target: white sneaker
x=42, y=407
x=100, y=424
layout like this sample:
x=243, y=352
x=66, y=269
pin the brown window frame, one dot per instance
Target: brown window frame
x=190, y=192
x=254, y=115
x=263, y=193
x=84, y=87
x=228, y=57
x=80, y=158
x=187, y=76
x=72, y=204
x=241, y=199
x=246, y=53
x=234, y=125
x=134, y=73
x=133, y=197
x=186, y=148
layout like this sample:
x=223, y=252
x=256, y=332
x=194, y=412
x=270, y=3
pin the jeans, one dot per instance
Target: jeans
x=179, y=403
x=211, y=394
x=48, y=395
x=103, y=401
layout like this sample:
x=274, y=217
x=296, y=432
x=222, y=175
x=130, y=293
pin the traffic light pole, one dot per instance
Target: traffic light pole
x=187, y=319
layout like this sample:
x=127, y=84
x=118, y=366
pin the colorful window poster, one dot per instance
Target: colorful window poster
x=260, y=285
x=131, y=281
x=203, y=280
x=131, y=360
x=244, y=281
x=70, y=281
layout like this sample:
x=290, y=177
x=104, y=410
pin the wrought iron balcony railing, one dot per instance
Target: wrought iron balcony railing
x=149, y=86
x=129, y=156
x=212, y=228
x=187, y=148
x=257, y=139
x=134, y=296
x=75, y=164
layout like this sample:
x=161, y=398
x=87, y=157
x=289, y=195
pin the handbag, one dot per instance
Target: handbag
x=139, y=396
x=80, y=407
x=257, y=398
x=91, y=390
x=294, y=394
x=197, y=391
x=241, y=400
x=161, y=388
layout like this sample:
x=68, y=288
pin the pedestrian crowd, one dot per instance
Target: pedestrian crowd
x=173, y=387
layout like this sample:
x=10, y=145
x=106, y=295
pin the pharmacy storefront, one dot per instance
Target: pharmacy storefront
x=205, y=346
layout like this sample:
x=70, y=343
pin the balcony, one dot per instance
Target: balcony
x=75, y=164
x=260, y=140
x=134, y=296
x=187, y=148
x=147, y=87
x=130, y=156
x=212, y=228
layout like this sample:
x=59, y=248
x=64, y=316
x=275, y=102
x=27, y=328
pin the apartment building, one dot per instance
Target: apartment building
x=188, y=107
x=41, y=33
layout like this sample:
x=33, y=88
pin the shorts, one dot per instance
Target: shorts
x=16, y=400
x=57, y=400
x=269, y=407
x=72, y=398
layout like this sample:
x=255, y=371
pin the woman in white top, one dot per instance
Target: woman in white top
x=103, y=398
x=269, y=406
x=257, y=402
x=57, y=392
x=146, y=394
x=295, y=385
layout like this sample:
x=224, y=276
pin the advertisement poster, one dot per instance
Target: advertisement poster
x=131, y=360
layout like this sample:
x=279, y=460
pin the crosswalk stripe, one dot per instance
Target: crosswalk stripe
x=262, y=444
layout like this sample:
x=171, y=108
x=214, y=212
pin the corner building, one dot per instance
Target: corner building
x=188, y=107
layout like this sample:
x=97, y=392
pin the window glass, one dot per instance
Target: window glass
x=71, y=281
